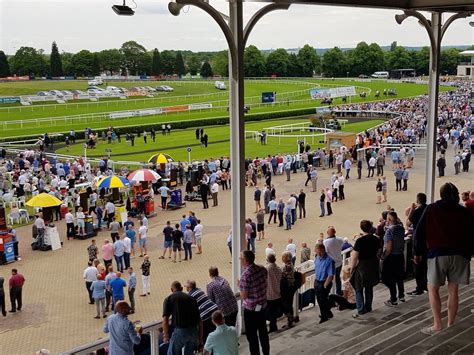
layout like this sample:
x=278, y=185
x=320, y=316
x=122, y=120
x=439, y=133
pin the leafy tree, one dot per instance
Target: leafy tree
x=399, y=58
x=421, y=60
x=206, y=70
x=449, y=61
x=179, y=67
x=68, y=68
x=132, y=55
x=167, y=62
x=334, y=63
x=95, y=64
x=254, y=62
x=82, y=63
x=307, y=59
x=193, y=64
x=376, y=59
x=4, y=66
x=220, y=64
x=144, y=63
x=28, y=61
x=110, y=60
x=278, y=63
x=156, y=63
x=56, y=66
x=294, y=66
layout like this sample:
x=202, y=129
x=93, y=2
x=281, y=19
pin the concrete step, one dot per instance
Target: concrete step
x=456, y=338
x=465, y=350
x=373, y=327
x=411, y=334
x=376, y=329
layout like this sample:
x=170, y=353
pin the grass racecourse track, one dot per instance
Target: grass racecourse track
x=292, y=93
x=176, y=143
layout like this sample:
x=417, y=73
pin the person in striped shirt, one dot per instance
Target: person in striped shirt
x=205, y=305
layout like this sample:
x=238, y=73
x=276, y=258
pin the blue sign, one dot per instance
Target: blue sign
x=10, y=100
x=268, y=97
x=9, y=252
x=176, y=197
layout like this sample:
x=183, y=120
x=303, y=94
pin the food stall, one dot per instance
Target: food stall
x=114, y=184
x=50, y=240
x=142, y=190
x=7, y=248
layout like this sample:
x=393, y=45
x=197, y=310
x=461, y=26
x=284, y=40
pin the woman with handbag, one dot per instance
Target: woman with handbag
x=288, y=287
x=365, y=268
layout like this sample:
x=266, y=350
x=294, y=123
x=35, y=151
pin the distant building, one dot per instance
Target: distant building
x=466, y=69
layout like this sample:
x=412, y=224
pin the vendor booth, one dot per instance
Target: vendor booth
x=142, y=190
x=7, y=240
x=48, y=239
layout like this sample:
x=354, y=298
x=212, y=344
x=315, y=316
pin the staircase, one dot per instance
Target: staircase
x=386, y=330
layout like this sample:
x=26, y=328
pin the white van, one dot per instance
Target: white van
x=220, y=85
x=380, y=75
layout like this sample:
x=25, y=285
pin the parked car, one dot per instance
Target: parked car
x=56, y=93
x=114, y=89
x=164, y=88
x=43, y=93
x=66, y=92
x=150, y=89
x=95, y=82
x=220, y=85
x=95, y=92
x=78, y=92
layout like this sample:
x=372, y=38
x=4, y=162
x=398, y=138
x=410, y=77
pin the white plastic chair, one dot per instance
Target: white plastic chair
x=24, y=214
x=12, y=218
x=21, y=201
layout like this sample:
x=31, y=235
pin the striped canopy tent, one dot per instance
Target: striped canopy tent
x=144, y=175
x=112, y=182
x=160, y=158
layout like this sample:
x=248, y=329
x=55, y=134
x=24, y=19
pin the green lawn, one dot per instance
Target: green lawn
x=185, y=93
x=219, y=144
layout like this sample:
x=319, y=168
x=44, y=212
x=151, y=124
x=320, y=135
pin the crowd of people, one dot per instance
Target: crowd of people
x=267, y=291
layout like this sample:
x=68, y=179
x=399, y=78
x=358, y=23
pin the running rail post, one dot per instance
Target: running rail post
x=436, y=31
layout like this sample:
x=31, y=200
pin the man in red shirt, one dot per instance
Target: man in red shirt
x=468, y=199
x=16, y=285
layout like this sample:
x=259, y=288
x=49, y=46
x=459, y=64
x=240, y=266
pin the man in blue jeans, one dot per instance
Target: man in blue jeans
x=184, y=313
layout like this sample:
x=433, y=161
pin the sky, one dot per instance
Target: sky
x=91, y=24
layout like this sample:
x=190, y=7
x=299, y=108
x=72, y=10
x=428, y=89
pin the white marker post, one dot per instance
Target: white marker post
x=189, y=154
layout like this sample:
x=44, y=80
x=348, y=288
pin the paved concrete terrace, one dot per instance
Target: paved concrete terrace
x=56, y=313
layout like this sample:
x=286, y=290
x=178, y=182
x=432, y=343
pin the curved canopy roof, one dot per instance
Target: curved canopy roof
x=423, y=5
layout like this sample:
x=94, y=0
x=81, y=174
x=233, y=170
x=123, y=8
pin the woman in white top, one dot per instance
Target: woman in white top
x=80, y=216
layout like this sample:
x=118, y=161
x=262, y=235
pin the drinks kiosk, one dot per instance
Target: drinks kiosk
x=7, y=249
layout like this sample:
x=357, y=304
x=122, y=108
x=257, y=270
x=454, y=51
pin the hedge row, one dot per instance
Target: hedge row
x=212, y=121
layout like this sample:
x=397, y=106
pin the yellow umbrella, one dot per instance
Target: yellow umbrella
x=160, y=158
x=44, y=200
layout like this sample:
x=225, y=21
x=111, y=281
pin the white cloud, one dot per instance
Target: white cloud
x=92, y=24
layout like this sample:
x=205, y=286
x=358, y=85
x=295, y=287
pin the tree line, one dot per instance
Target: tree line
x=133, y=58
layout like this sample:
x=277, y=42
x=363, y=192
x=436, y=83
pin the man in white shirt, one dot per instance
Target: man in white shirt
x=69, y=225
x=214, y=191
x=333, y=247
x=269, y=250
x=291, y=247
x=110, y=210
x=198, y=235
x=127, y=244
x=292, y=205
x=142, y=238
x=90, y=275
x=39, y=223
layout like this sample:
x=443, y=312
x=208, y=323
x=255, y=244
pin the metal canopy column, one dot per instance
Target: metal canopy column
x=436, y=31
x=236, y=36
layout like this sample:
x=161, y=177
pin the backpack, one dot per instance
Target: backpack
x=300, y=279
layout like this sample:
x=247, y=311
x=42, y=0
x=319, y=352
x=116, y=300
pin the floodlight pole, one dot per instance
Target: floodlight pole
x=236, y=36
x=436, y=31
